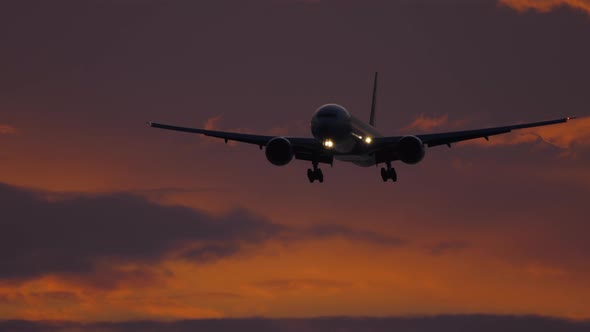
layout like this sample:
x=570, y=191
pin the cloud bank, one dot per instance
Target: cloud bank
x=80, y=234
x=483, y=323
x=7, y=130
x=546, y=5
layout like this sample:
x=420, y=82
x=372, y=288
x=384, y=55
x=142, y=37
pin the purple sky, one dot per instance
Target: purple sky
x=102, y=209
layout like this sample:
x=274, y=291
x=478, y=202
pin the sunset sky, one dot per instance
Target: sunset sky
x=105, y=219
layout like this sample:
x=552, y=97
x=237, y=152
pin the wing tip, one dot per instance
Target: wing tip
x=571, y=118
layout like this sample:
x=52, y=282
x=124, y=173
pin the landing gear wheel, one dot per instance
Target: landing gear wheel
x=392, y=175
x=319, y=175
x=388, y=173
x=310, y=175
x=384, y=174
x=315, y=174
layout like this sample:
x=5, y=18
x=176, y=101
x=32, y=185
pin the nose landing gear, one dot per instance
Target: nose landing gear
x=388, y=173
x=315, y=174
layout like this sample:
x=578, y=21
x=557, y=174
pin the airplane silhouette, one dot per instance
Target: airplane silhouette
x=339, y=135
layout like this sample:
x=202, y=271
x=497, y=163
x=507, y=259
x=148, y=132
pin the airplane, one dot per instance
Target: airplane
x=338, y=135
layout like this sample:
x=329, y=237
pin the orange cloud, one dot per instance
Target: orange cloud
x=6, y=129
x=211, y=123
x=283, y=283
x=546, y=5
x=575, y=132
x=54, y=298
x=544, y=271
x=297, y=285
x=426, y=123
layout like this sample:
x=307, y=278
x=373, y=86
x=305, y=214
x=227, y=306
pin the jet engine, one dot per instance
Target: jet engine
x=411, y=150
x=279, y=151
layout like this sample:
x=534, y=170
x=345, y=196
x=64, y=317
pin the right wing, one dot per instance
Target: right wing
x=448, y=138
x=453, y=137
x=304, y=148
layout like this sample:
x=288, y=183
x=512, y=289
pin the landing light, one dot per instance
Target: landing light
x=328, y=144
x=368, y=140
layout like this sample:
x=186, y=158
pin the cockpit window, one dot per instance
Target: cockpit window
x=327, y=115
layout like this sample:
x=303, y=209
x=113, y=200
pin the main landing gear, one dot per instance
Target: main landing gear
x=315, y=174
x=388, y=173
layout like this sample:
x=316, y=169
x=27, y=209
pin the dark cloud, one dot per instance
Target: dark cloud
x=210, y=252
x=350, y=233
x=483, y=323
x=43, y=233
x=73, y=235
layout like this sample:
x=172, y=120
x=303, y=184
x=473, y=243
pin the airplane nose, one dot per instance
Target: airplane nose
x=335, y=130
x=331, y=121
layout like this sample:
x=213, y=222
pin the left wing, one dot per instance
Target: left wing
x=448, y=138
x=304, y=148
x=260, y=140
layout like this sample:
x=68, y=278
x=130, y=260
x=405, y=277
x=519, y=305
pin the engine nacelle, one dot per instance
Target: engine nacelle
x=411, y=150
x=279, y=151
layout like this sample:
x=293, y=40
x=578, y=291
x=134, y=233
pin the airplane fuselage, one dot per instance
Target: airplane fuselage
x=344, y=134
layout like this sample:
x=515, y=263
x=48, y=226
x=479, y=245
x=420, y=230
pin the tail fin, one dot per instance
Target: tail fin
x=374, y=102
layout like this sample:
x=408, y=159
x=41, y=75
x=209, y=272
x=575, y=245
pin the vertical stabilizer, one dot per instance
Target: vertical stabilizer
x=374, y=102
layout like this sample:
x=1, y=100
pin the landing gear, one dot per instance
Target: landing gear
x=315, y=174
x=388, y=173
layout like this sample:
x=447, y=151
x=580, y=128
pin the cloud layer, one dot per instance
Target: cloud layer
x=6, y=130
x=547, y=5
x=481, y=323
x=73, y=235
x=44, y=235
